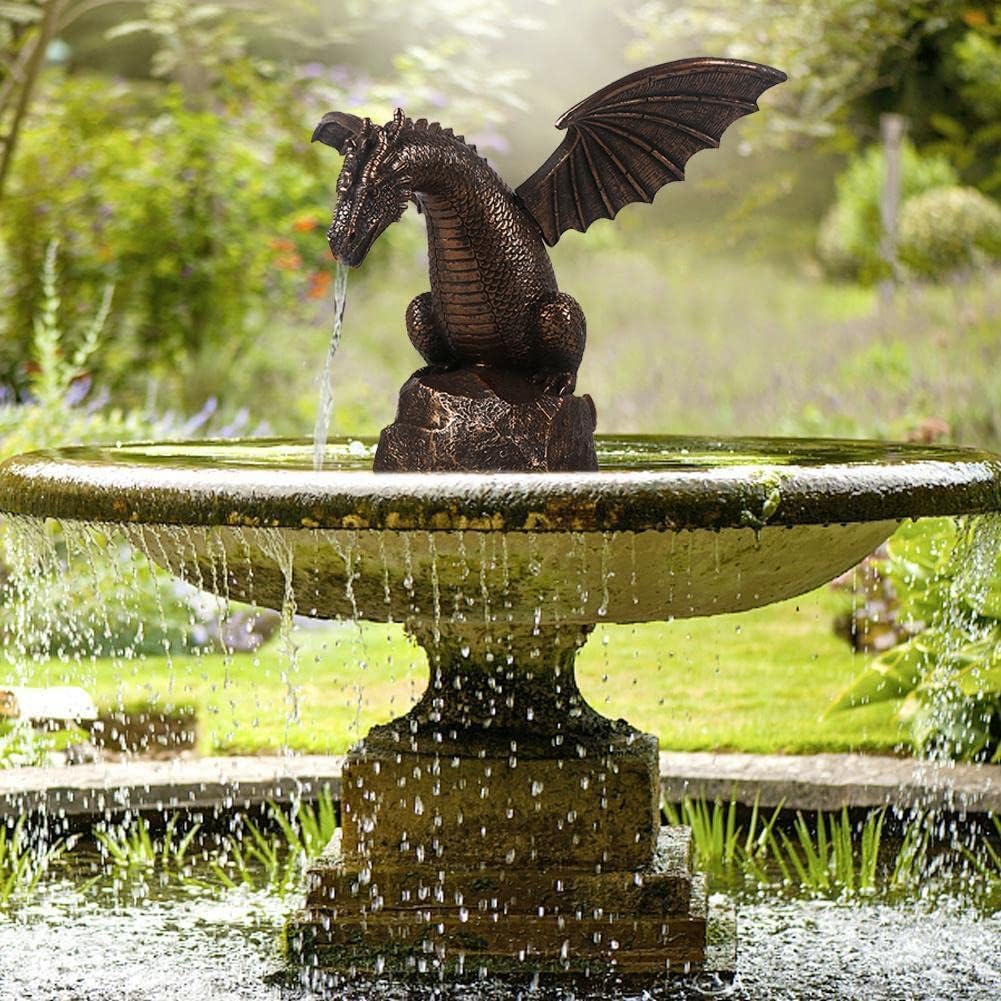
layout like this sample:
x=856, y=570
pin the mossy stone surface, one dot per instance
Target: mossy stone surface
x=643, y=482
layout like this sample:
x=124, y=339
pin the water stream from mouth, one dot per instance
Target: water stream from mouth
x=325, y=406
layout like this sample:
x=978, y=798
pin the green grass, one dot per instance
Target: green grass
x=757, y=682
x=684, y=336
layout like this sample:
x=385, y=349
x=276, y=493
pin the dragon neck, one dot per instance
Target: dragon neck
x=453, y=184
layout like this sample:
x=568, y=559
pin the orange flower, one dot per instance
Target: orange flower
x=305, y=224
x=975, y=17
x=288, y=262
x=282, y=243
x=319, y=282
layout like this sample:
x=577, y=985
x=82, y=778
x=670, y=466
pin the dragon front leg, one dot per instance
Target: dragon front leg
x=561, y=330
x=426, y=335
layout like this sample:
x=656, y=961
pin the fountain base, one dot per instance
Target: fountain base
x=503, y=828
x=558, y=922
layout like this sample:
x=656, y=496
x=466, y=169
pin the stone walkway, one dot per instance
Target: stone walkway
x=831, y=781
x=180, y=783
x=809, y=782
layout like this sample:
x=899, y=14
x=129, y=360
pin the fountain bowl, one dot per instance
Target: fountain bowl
x=669, y=527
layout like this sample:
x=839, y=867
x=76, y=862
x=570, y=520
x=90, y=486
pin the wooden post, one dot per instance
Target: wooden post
x=891, y=130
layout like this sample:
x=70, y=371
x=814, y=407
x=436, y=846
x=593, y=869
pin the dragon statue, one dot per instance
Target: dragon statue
x=494, y=302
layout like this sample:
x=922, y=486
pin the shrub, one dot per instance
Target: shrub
x=54, y=409
x=949, y=229
x=190, y=213
x=849, y=240
x=947, y=576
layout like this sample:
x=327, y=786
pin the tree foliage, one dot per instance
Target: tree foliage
x=182, y=209
x=195, y=191
x=938, y=62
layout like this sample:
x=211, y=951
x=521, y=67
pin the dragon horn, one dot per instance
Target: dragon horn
x=336, y=128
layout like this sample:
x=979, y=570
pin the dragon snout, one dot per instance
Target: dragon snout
x=345, y=246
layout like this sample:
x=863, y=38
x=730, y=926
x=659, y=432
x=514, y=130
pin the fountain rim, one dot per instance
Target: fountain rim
x=71, y=484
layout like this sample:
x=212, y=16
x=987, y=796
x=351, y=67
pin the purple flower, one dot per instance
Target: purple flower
x=236, y=425
x=201, y=418
x=77, y=390
x=98, y=401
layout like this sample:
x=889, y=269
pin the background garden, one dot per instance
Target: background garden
x=164, y=273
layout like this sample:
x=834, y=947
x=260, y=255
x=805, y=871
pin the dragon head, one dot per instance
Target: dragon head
x=373, y=187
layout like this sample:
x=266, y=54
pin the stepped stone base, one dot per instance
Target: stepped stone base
x=476, y=803
x=504, y=829
x=412, y=920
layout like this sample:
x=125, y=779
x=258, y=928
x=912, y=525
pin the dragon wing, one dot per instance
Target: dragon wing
x=628, y=140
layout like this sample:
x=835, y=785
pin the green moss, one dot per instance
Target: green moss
x=688, y=482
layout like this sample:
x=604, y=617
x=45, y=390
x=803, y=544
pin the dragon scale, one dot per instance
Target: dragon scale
x=480, y=245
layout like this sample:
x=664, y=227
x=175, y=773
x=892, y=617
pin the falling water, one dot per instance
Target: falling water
x=326, y=403
x=365, y=570
x=965, y=625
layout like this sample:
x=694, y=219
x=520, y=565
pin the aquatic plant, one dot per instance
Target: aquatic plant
x=832, y=855
x=275, y=859
x=984, y=860
x=23, y=860
x=724, y=848
x=911, y=863
x=825, y=857
x=947, y=576
x=133, y=850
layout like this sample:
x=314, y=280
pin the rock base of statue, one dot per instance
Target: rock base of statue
x=481, y=419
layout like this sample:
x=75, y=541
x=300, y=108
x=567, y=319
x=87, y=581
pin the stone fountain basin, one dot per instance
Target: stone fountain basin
x=668, y=527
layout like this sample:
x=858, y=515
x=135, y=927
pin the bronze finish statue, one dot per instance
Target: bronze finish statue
x=494, y=304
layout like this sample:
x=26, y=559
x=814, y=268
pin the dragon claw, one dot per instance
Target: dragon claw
x=555, y=383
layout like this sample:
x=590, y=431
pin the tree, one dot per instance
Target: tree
x=938, y=62
x=26, y=31
x=194, y=188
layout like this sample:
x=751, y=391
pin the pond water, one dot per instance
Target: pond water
x=211, y=946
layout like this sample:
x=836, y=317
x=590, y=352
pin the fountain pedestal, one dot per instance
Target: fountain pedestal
x=503, y=795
